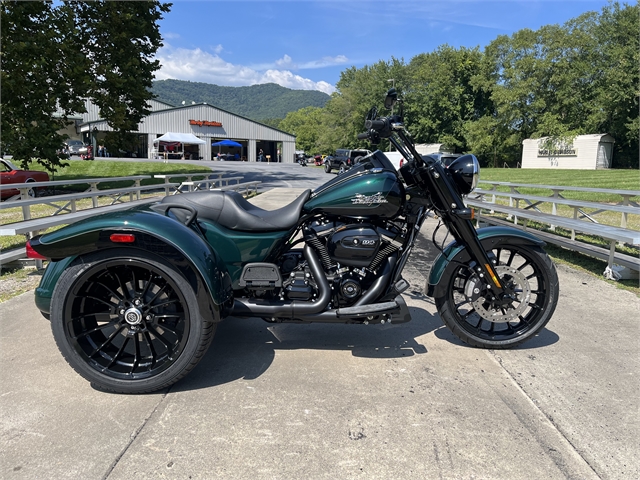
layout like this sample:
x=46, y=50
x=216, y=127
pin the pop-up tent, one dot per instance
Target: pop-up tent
x=226, y=143
x=171, y=140
x=184, y=138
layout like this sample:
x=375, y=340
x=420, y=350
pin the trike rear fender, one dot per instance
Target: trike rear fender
x=456, y=254
x=154, y=233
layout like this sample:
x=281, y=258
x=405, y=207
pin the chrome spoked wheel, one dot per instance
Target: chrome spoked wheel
x=128, y=325
x=477, y=317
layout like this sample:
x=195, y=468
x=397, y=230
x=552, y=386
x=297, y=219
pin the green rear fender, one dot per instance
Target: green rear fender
x=455, y=254
x=155, y=233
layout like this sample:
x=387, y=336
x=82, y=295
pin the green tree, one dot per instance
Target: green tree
x=562, y=81
x=35, y=81
x=445, y=95
x=305, y=124
x=55, y=57
x=356, y=92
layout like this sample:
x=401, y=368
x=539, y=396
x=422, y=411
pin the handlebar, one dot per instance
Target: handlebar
x=363, y=136
x=376, y=124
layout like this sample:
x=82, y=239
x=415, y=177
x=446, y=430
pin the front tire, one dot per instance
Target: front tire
x=327, y=168
x=128, y=322
x=467, y=308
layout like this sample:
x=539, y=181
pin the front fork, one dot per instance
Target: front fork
x=458, y=220
x=464, y=232
x=453, y=211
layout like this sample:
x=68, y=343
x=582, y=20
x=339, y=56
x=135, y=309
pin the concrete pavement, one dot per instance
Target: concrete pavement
x=342, y=401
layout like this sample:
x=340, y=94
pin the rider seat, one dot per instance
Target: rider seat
x=233, y=211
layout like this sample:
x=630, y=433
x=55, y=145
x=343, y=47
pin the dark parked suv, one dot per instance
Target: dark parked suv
x=343, y=160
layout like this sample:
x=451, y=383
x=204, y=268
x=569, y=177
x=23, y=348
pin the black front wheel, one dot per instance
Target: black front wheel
x=128, y=322
x=327, y=168
x=474, y=314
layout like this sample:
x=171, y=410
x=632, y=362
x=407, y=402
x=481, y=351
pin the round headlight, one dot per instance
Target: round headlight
x=465, y=173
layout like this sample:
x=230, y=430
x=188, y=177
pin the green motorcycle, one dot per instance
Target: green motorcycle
x=134, y=297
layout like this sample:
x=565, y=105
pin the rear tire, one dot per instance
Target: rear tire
x=532, y=278
x=342, y=169
x=128, y=322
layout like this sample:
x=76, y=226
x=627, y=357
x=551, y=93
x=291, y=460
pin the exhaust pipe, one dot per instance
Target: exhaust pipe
x=378, y=286
x=289, y=309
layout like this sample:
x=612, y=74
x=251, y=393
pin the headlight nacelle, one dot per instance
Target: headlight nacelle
x=465, y=173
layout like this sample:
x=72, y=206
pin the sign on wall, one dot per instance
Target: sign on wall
x=205, y=123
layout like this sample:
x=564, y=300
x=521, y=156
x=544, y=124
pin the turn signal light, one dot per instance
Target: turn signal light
x=122, y=238
x=31, y=253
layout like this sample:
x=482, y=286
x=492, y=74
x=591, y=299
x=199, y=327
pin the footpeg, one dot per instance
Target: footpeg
x=260, y=275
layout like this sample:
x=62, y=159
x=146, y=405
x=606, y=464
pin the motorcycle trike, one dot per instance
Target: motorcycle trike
x=134, y=297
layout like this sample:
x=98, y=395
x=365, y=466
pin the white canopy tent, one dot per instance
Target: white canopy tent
x=174, y=138
x=184, y=138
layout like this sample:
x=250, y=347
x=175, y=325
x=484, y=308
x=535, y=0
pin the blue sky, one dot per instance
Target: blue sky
x=305, y=44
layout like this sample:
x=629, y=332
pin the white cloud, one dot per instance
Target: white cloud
x=200, y=66
x=284, y=61
x=289, y=80
x=171, y=35
x=325, y=62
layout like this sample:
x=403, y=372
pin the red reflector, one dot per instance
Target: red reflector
x=31, y=253
x=122, y=238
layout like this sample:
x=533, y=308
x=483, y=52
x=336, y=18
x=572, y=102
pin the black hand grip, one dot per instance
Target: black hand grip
x=363, y=136
x=375, y=124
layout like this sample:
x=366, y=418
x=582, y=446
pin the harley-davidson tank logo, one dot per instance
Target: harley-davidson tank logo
x=368, y=199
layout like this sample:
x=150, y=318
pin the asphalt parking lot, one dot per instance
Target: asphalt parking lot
x=342, y=401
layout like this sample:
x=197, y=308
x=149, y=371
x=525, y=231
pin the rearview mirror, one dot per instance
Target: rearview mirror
x=391, y=98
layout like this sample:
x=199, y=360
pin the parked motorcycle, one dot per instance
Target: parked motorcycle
x=301, y=159
x=134, y=297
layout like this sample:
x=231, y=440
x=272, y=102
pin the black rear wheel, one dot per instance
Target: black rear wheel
x=474, y=315
x=128, y=323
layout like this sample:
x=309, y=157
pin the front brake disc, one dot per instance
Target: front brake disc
x=484, y=304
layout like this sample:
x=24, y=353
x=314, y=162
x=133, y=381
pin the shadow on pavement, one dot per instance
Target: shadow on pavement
x=245, y=348
x=543, y=339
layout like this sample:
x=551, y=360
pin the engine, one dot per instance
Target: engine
x=351, y=254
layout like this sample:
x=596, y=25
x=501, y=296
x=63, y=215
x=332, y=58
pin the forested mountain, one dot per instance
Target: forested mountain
x=257, y=102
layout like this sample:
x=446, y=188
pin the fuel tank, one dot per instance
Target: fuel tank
x=369, y=189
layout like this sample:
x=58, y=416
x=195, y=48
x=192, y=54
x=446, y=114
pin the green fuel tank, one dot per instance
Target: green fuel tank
x=370, y=189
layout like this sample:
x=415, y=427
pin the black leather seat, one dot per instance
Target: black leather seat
x=231, y=210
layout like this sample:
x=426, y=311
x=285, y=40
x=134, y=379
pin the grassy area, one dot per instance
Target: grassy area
x=77, y=169
x=610, y=179
x=590, y=265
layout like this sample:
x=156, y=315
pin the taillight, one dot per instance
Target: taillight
x=31, y=253
x=401, y=162
x=348, y=161
x=122, y=238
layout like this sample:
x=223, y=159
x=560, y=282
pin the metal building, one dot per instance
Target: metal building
x=206, y=122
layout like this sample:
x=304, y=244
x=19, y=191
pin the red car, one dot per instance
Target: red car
x=9, y=173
